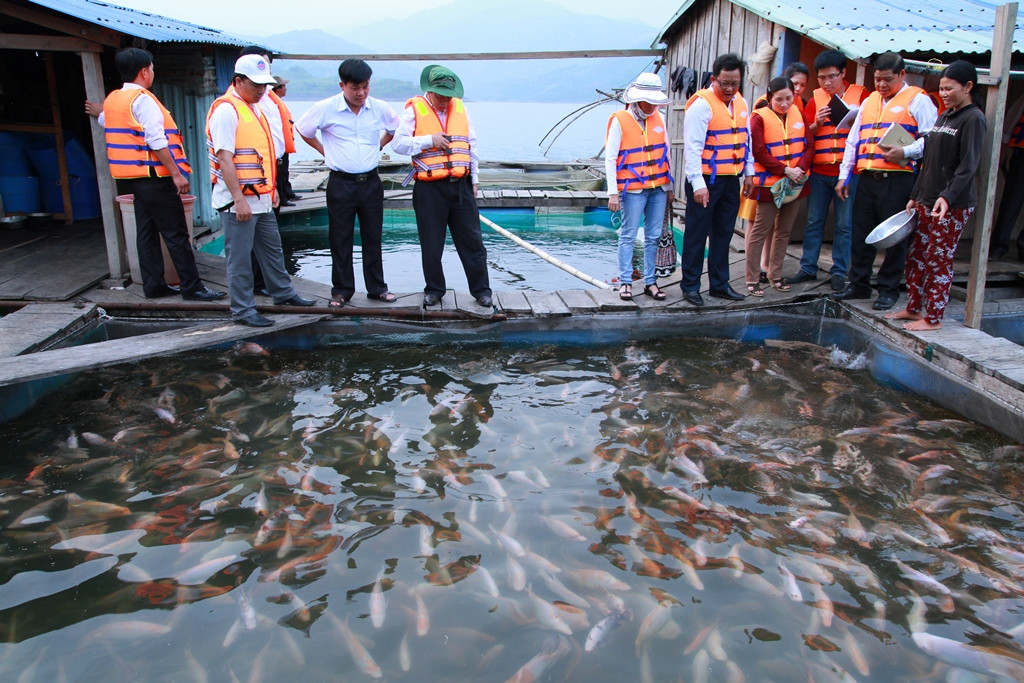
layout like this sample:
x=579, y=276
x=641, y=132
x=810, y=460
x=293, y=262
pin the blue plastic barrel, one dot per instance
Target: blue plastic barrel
x=14, y=159
x=43, y=153
x=85, y=196
x=20, y=193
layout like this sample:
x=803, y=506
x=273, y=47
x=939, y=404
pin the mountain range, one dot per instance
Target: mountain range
x=466, y=27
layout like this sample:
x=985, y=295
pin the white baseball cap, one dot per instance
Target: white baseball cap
x=255, y=68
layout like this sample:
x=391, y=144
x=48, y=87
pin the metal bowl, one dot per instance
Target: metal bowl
x=892, y=230
x=13, y=222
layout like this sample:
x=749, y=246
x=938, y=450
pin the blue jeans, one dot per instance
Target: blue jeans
x=648, y=204
x=823, y=192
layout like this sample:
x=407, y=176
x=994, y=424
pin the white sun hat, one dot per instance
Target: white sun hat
x=646, y=88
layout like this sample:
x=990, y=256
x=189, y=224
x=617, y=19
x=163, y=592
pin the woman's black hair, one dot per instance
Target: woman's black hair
x=777, y=84
x=963, y=72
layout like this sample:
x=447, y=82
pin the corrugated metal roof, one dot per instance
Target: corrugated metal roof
x=140, y=24
x=861, y=28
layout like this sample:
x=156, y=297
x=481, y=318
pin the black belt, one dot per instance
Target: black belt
x=880, y=175
x=355, y=177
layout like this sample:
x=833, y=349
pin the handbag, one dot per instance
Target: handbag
x=667, y=256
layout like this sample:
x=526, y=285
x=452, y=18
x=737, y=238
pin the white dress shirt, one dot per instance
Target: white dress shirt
x=406, y=143
x=223, y=127
x=351, y=140
x=611, y=157
x=147, y=112
x=921, y=108
x=273, y=114
x=695, y=132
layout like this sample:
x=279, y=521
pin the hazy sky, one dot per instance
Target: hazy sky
x=266, y=17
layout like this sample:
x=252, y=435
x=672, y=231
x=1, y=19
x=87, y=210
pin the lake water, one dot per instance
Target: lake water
x=724, y=512
x=513, y=130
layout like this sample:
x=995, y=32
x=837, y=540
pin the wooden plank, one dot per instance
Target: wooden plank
x=62, y=161
x=513, y=302
x=103, y=354
x=476, y=56
x=70, y=26
x=37, y=325
x=578, y=300
x=547, y=305
x=117, y=259
x=1002, y=46
x=44, y=43
x=608, y=300
x=465, y=303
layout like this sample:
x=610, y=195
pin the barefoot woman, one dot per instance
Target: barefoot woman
x=943, y=197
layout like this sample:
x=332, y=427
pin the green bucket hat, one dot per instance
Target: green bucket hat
x=440, y=80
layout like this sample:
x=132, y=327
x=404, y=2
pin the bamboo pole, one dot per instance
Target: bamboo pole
x=544, y=255
x=995, y=106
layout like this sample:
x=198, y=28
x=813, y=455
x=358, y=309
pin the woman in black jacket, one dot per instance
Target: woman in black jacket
x=944, y=198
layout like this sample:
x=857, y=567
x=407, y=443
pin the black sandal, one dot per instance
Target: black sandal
x=654, y=291
x=626, y=292
x=385, y=296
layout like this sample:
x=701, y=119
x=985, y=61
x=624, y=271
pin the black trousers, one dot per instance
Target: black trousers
x=347, y=198
x=284, y=183
x=1011, y=204
x=158, y=213
x=442, y=205
x=878, y=198
x=712, y=225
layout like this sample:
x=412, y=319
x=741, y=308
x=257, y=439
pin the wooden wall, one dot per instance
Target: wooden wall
x=711, y=28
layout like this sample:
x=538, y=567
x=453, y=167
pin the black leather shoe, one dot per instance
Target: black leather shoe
x=884, y=303
x=693, y=298
x=431, y=299
x=837, y=284
x=296, y=300
x=286, y=203
x=727, y=293
x=850, y=294
x=161, y=293
x=254, y=319
x=204, y=294
x=802, y=276
x=485, y=301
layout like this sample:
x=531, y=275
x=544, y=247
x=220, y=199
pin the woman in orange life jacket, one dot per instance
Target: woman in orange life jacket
x=800, y=75
x=943, y=197
x=779, y=138
x=639, y=177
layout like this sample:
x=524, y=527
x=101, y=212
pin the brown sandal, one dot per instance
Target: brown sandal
x=654, y=291
x=385, y=296
x=337, y=301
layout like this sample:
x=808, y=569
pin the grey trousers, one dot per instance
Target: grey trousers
x=257, y=235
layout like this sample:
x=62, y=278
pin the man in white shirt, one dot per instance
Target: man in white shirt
x=243, y=172
x=153, y=168
x=436, y=132
x=885, y=184
x=353, y=128
x=716, y=154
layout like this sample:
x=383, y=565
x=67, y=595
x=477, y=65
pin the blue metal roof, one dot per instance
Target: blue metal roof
x=140, y=24
x=861, y=28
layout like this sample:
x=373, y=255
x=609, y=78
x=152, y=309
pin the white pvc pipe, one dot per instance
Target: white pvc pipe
x=544, y=255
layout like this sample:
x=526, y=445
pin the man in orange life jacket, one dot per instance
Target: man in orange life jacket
x=436, y=132
x=1013, y=194
x=885, y=184
x=829, y=145
x=146, y=152
x=716, y=153
x=243, y=172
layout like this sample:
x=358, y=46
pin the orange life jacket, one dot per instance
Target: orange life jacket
x=286, y=122
x=127, y=151
x=435, y=163
x=936, y=99
x=254, y=158
x=829, y=141
x=642, y=162
x=786, y=143
x=727, y=140
x=1017, y=138
x=875, y=119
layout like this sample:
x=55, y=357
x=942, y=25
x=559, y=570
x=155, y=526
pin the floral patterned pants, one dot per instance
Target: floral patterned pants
x=929, y=269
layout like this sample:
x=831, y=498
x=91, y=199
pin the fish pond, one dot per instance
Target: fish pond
x=585, y=240
x=695, y=510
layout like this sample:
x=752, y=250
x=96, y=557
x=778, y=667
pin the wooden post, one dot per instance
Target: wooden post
x=116, y=259
x=58, y=138
x=995, y=108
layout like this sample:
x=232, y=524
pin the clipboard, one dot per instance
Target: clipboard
x=897, y=136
